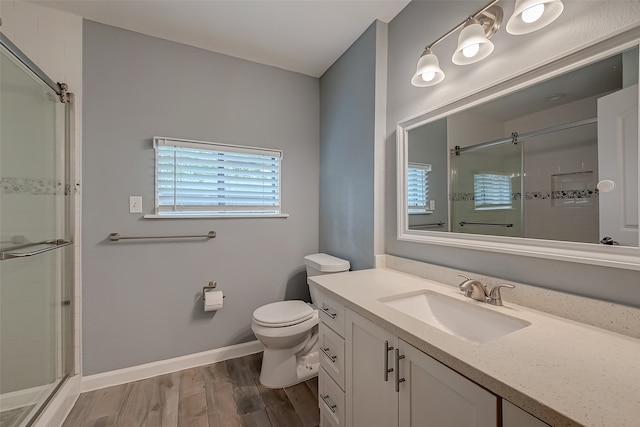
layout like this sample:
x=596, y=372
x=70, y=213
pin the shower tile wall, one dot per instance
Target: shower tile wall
x=566, y=158
x=572, y=216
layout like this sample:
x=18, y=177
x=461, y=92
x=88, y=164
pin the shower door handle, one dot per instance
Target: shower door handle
x=54, y=244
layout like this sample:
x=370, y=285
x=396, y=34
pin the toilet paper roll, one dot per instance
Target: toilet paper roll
x=213, y=300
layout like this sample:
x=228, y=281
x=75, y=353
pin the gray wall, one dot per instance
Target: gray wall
x=347, y=124
x=141, y=299
x=421, y=23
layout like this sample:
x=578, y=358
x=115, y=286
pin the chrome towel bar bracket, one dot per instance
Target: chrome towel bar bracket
x=49, y=246
x=114, y=237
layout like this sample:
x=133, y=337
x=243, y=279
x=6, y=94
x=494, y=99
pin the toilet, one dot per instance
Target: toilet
x=289, y=331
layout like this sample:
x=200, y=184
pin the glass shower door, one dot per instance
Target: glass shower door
x=486, y=196
x=36, y=346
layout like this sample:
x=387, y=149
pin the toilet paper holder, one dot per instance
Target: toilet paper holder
x=211, y=286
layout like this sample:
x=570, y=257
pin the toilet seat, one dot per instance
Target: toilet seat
x=283, y=313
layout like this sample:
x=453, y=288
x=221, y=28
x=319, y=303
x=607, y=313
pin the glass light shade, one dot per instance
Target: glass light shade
x=518, y=24
x=428, y=72
x=471, y=36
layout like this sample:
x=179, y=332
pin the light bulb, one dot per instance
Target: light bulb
x=427, y=76
x=533, y=13
x=471, y=50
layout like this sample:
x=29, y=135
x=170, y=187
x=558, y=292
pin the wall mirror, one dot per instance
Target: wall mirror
x=545, y=164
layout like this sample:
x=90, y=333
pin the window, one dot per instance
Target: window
x=492, y=191
x=205, y=178
x=418, y=188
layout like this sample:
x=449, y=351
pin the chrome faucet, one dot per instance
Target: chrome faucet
x=476, y=290
x=473, y=288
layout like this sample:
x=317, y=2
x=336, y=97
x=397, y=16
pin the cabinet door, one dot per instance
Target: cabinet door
x=371, y=398
x=435, y=396
x=512, y=416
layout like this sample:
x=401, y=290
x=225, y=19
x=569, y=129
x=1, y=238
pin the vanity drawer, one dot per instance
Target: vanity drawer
x=331, y=401
x=331, y=313
x=332, y=354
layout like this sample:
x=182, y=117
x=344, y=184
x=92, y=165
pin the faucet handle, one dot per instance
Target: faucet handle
x=495, y=298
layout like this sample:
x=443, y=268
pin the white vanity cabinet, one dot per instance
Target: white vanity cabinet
x=331, y=396
x=432, y=394
x=391, y=383
x=371, y=398
x=512, y=416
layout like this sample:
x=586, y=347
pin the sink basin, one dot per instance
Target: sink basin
x=462, y=319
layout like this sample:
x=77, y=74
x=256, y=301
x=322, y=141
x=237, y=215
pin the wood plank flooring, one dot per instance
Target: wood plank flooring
x=225, y=394
x=14, y=417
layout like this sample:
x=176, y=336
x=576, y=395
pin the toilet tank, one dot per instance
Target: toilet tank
x=318, y=264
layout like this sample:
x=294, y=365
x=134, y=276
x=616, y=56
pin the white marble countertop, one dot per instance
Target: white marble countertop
x=564, y=372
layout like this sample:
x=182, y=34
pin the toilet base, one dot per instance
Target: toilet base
x=282, y=369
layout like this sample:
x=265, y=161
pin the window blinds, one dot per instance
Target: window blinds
x=204, y=178
x=492, y=191
x=418, y=188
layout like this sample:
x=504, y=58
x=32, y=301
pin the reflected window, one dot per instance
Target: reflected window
x=492, y=191
x=418, y=188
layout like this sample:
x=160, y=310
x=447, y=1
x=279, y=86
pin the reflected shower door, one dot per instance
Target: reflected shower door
x=486, y=191
x=36, y=334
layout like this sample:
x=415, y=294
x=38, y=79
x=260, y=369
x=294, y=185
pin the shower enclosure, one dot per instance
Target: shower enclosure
x=543, y=186
x=36, y=251
x=486, y=188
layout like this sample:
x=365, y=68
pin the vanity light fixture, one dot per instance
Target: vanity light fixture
x=531, y=15
x=428, y=72
x=474, y=42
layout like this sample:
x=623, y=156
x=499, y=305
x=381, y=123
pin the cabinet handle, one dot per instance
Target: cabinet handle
x=326, y=311
x=387, y=349
x=398, y=379
x=329, y=355
x=332, y=406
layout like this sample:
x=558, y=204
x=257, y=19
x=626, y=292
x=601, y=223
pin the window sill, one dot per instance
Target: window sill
x=153, y=216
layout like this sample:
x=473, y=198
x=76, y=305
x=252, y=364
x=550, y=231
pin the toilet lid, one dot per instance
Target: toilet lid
x=283, y=313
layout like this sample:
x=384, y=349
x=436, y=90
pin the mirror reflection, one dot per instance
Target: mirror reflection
x=557, y=161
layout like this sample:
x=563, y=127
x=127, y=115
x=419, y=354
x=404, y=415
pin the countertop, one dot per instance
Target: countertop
x=564, y=372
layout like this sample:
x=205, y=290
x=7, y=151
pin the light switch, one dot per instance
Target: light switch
x=432, y=205
x=135, y=204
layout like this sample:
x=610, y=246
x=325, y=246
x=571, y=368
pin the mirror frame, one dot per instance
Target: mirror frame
x=623, y=257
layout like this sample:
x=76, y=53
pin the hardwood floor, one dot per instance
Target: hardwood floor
x=225, y=394
x=14, y=417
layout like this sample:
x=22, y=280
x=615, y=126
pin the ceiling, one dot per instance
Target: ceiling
x=598, y=78
x=305, y=36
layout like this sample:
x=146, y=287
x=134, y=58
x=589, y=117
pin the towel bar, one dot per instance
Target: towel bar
x=114, y=237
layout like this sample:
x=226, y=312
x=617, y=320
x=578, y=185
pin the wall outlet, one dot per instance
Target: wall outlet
x=135, y=204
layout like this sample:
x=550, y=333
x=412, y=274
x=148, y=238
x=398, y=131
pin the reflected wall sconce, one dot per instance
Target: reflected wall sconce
x=474, y=41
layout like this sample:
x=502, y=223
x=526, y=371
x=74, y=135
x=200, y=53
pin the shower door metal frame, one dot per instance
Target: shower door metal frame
x=69, y=190
x=59, y=88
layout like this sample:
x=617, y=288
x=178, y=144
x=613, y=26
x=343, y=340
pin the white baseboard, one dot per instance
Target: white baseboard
x=148, y=370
